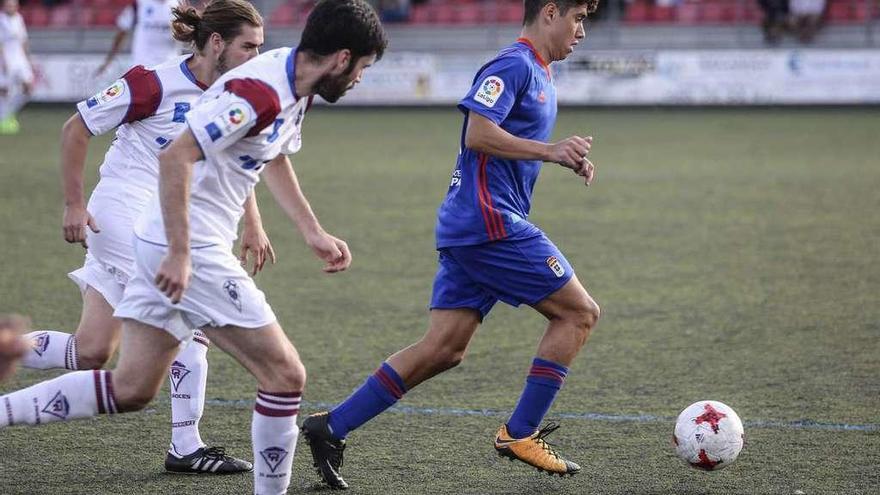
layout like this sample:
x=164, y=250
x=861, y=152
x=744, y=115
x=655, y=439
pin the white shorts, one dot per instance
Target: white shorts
x=16, y=73
x=220, y=293
x=109, y=262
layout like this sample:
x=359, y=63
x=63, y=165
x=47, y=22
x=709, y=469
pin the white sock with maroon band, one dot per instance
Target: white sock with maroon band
x=50, y=349
x=188, y=376
x=80, y=394
x=274, y=433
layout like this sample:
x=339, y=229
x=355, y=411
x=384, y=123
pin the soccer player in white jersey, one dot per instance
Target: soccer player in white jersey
x=16, y=72
x=148, y=107
x=244, y=125
x=149, y=21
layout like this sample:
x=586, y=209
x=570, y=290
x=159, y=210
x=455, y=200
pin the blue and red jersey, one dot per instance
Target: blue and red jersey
x=489, y=198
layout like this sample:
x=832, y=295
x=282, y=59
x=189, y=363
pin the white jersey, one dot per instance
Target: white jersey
x=151, y=41
x=13, y=36
x=248, y=117
x=148, y=106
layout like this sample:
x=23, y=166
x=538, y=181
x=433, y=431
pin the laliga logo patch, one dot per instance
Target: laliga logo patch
x=236, y=116
x=177, y=373
x=231, y=288
x=273, y=457
x=114, y=91
x=556, y=266
x=58, y=406
x=489, y=91
x=40, y=343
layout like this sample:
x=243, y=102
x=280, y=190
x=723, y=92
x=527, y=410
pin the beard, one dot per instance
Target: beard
x=332, y=88
x=222, y=63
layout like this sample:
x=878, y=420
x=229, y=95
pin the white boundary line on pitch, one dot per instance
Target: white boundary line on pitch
x=803, y=424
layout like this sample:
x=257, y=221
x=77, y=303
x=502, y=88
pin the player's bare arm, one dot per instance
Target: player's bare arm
x=282, y=182
x=254, y=239
x=175, y=171
x=118, y=40
x=487, y=137
x=74, y=146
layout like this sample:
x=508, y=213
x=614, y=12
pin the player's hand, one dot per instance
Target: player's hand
x=76, y=218
x=255, y=241
x=332, y=250
x=571, y=152
x=588, y=172
x=173, y=276
x=12, y=345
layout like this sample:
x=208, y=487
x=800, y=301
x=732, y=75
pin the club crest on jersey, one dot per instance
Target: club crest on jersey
x=58, y=406
x=556, y=266
x=490, y=89
x=231, y=288
x=273, y=457
x=40, y=343
x=177, y=373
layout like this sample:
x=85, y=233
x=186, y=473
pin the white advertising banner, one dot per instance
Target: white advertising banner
x=662, y=77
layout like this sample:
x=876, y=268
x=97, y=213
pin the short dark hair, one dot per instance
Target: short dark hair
x=335, y=25
x=224, y=17
x=533, y=7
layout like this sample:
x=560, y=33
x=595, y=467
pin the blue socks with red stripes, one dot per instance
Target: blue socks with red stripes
x=379, y=392
x=544, y=381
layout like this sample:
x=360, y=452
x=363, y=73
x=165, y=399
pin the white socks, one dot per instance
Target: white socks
x=274, y=433
x=79, y=394
x=188, y=376
x=51, y=350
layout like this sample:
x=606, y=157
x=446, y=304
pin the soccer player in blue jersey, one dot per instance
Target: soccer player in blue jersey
x=489, y=251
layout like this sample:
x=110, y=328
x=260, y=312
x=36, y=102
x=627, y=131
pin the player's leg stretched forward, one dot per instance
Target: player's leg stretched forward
x=145, y=357
x=571, y=312
x=96, y=339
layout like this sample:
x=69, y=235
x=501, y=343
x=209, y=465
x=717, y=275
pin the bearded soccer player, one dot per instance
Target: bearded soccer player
x=489, y=251
x=148, y=108
x=186, y=275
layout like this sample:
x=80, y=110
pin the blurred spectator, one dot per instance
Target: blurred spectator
x=806, y=18
x=16, y=69
x=151, y=44
x=394, y=10
x=12, y=345
x=775, y=14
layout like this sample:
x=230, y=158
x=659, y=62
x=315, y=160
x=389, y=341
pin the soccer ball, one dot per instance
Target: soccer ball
x=708, y=435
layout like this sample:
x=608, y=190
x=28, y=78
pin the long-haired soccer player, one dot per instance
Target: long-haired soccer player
x=148, y=107
x=489, y=251
x=186, y=275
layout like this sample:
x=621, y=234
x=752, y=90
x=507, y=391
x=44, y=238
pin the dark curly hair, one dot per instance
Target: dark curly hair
x=335, y=25
x=533, y=7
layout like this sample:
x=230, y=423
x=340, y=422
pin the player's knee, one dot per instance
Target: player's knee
x=285, y=374
x=92, y=358
x=584, y=317
x=132, y=397
x=448, y=357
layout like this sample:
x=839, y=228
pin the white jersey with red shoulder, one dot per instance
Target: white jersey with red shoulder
x=147, y=107
x=251, y=115
x=150, y=24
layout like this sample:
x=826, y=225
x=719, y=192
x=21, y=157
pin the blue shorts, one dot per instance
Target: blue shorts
x=516, y=272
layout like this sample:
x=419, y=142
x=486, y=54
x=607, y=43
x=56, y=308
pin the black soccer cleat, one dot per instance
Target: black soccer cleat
x=211, y=460
x=326, y=450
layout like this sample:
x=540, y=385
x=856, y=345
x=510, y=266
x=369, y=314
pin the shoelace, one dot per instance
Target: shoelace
x=215, y=453
x=543, y=433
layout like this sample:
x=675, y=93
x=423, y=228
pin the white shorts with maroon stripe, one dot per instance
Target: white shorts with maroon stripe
x=220, y=293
